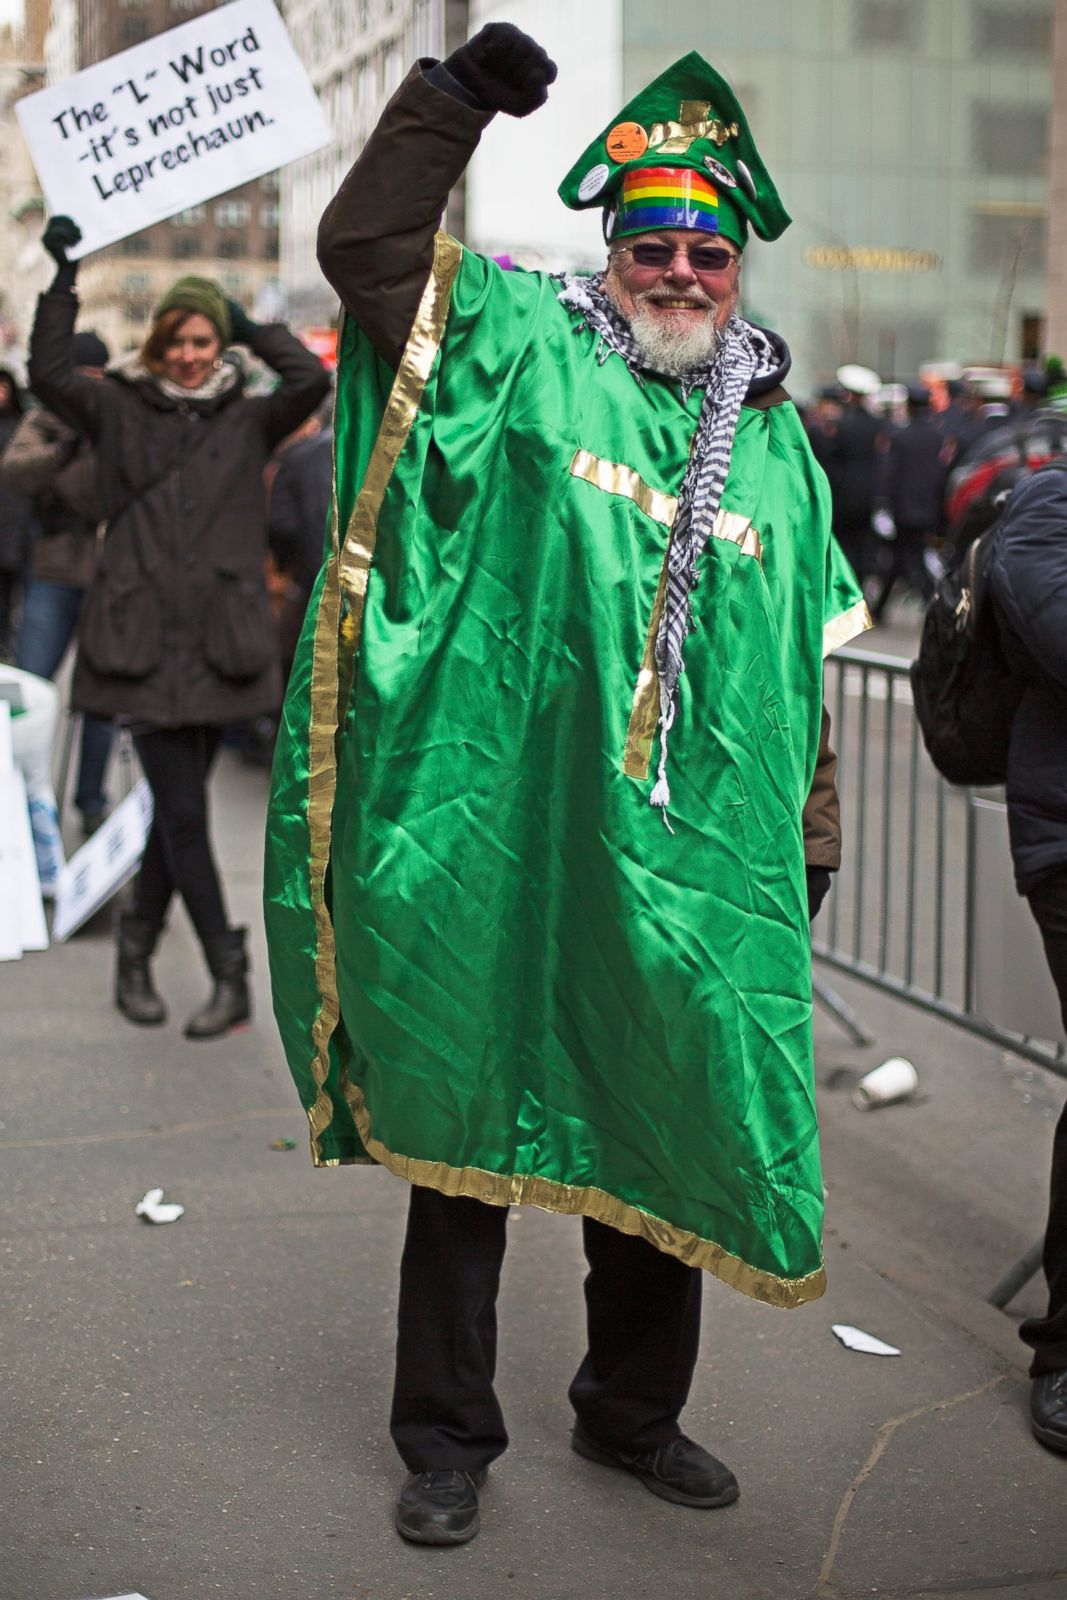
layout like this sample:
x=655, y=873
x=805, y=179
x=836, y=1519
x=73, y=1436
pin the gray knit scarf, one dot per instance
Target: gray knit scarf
x=741, y=352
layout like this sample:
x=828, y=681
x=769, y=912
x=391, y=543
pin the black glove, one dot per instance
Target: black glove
x=504, y=69
x=243, y=328
x=61, y=235
x=818, y=888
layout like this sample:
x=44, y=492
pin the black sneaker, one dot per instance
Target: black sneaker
x=681, y=1471
x=1048, y=1409
x=439, y=1507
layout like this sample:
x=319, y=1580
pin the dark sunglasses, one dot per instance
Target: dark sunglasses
x=702, y=257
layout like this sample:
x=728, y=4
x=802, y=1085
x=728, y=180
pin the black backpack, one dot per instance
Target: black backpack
x=965, y=693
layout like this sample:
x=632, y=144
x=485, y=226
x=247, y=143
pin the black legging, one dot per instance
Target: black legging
x=177, y=762
x=1047, y=1336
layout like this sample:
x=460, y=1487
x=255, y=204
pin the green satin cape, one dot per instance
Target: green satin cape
x=495, y=971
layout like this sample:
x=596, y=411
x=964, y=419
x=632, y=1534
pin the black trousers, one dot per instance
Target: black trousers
x=643, y=1315
x=1047, y=1336
x=178, y=857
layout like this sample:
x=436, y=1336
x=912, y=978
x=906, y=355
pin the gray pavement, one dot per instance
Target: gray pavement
x=199, y=1409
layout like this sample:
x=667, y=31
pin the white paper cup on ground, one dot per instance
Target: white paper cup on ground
x=895, y=1079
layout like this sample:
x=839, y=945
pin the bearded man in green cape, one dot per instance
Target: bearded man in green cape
x=537, y=898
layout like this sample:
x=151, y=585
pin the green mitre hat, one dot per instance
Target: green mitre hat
x=679, y=155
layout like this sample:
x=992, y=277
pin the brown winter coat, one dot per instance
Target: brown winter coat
x=181, y=482
x=376, y=247
x=55, y=467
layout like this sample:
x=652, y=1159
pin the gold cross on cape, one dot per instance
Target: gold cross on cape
x=694, y=122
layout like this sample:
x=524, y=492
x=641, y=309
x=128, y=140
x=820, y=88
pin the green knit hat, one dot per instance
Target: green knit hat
x=680, y=155
x=203, y=295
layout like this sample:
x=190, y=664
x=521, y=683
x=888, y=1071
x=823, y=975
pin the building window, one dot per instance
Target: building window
x=1006, y=243
x=885, y=24
x=233, y=283
x=188, y=5
x=138, y=244
x=1031, y=335
x=1009, y=139
x=233, y=213
x=269, y=250
x=139, y=311
x=268, y=216
x=133, y=30
x=270, y=183
x=189, y=218
x=136, y=283
x=232, y=247
x=1001, y=30
x=186, y=246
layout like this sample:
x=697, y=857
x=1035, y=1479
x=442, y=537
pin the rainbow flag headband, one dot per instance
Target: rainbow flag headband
x=667, y=197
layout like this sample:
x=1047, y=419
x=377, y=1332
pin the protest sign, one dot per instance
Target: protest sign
x=104, y=863
x=167, y=124
x=22, y=924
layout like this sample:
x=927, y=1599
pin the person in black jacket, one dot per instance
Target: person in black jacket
x=55, y=466
x=852, y=468
x=915, y=472
x=177, y=637
x=299, y=507
x=1028, y=582
x=16, y=517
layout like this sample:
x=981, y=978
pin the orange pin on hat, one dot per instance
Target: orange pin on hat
x=626, y=141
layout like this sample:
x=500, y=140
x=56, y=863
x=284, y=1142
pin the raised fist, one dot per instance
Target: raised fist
x=61, y=235
x=504, y=69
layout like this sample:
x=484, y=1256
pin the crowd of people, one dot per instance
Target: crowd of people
x=893, y=454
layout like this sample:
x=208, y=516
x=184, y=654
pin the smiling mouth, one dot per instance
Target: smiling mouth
x=680, y=305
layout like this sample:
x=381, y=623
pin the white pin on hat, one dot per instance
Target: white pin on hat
x=723, y=174
x=594, y=181
x=745, y=179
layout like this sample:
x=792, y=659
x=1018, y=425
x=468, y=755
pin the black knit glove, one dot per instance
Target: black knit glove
x=242, y=327
x=504, y=69
x=61, y=235
x=818, y=888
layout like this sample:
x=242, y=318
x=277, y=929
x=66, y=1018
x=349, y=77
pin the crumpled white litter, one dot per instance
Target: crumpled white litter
x=153, y=1208
x=856, y=1339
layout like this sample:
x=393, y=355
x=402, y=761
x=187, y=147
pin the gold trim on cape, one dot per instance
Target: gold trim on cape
x=845, y=626
x=524, y=1189
x=335, y=643
x=616, y=479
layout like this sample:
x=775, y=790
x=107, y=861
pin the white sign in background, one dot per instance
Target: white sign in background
x=173, y=121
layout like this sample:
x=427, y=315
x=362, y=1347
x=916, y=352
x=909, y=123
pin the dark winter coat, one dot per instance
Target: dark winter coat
x=299, y=505
x=915, y=475
x=56, y=468
x=181, y=482
x=1028, y=581
x=852, y=468
x=16, y=511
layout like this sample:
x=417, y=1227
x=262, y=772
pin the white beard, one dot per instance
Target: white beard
x=665, y=349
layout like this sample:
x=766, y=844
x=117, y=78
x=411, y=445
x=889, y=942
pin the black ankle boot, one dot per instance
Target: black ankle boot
x=135, y=994
x=229, y=1004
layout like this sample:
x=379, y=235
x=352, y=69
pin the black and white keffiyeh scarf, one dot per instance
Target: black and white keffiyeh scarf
x=742, y=352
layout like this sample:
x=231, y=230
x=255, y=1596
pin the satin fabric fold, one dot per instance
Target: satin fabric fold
x=495, y=971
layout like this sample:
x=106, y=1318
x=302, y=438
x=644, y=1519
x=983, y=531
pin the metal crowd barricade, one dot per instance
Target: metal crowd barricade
x=908, y=911
x=903, y=914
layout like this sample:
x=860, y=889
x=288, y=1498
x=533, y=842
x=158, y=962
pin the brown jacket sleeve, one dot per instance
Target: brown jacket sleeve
x=822, y=810
x=376, y=235
x=40, y=447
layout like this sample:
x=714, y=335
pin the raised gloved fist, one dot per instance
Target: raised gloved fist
x=61, y=235
x=241, y=325
x=504, y=69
